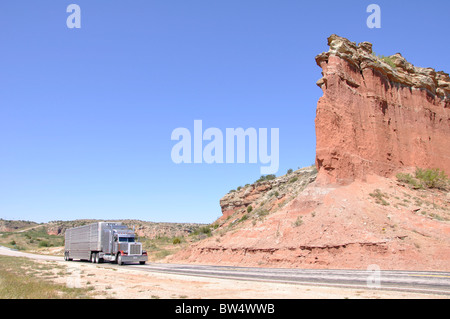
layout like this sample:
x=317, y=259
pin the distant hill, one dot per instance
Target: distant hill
x=159, y=239
x=15, y=225
x=143, y=228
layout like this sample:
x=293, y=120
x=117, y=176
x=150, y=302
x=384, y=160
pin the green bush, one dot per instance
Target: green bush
x=266, y=178
x=245, y=217
x=43, y=243
x=202, y=230
x=262, y=212
x=404, y=178
x=386, y=59
x=249, y=208
x=429, y=178
x=289, y=171
x=389, y=61
x=261, y=179
x=176, y=241
x=380, y=197
x=298, y=221
x=409, y=179
x=432, y=178
x=293, y=179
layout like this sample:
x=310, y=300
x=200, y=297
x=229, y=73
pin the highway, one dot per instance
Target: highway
x=430, y=282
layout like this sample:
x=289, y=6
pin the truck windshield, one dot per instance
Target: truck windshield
x=126, y=239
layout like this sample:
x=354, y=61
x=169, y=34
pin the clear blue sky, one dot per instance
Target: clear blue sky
x=86, y=114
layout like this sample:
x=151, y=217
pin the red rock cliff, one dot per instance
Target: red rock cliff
x=378, y=116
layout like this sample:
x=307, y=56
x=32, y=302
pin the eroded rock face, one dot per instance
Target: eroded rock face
x=378, y=115
x=267, y=195
x=373, y=119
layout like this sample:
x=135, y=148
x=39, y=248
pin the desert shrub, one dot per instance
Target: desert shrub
x=261, y=179
x=429, y=178
x=266, y=178
x=245, y=217
x=432, y=178
x=298, y=221
x=389, y=61
x=404, y=178
x=289, y=171
x=380, y=197
x=386, y=59
x=176, y=241
x=293, y=179
x=274, y=193
x=409, y=179
x=262, y=212
x=249, y=208
x=202, y=230
x=43, y=243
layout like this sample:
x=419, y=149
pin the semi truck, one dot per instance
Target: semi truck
x=103, y=241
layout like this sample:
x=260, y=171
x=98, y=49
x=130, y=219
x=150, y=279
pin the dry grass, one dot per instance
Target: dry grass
x=22, y=278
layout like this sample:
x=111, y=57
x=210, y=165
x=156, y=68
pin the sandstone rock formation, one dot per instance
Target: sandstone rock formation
x=378, y=115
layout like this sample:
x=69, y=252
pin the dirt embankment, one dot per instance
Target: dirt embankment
x=378, y=221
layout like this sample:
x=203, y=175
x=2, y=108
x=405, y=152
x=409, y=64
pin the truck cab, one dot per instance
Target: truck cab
x=122, y=246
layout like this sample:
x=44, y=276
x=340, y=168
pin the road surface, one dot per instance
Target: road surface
x=431, y=282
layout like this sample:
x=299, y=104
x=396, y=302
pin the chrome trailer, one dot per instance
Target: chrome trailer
x=103, y=241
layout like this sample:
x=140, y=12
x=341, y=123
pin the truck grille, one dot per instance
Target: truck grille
x=135, y=249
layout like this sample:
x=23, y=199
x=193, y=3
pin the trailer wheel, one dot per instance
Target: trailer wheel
x=92, y=260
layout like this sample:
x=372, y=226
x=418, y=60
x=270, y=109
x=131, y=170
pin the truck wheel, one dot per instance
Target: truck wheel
x=119, y=260
x=92, y=258
x=96, y=258
x=142, y=263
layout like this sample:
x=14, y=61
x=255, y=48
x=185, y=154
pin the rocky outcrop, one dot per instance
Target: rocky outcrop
x=378, y=115
x=267, y=194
